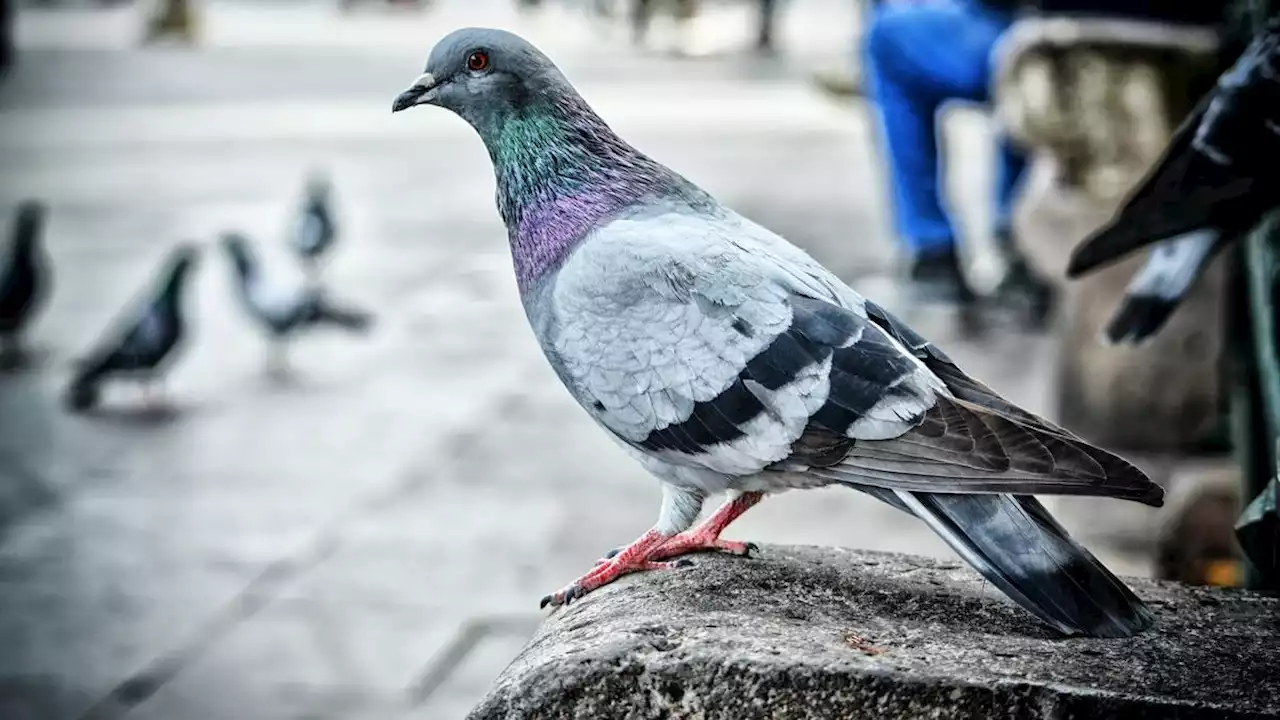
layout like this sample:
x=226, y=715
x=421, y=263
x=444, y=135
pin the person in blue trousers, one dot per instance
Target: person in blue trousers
x=920, y=54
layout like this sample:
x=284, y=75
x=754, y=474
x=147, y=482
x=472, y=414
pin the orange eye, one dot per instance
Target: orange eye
x=477, y=61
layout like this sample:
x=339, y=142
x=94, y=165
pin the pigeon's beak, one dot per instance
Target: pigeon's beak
x=421, y=92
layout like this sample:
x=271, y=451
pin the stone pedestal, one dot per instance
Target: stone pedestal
x=803, y=632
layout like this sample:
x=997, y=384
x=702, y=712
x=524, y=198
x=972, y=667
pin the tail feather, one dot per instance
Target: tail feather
x=1021, y=549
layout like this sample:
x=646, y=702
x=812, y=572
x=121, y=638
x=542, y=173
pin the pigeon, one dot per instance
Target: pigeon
x=24, y=275
x=1218, y=177
x=725, y=359
x=144, y=341
x=316, y=230
x=284, y=309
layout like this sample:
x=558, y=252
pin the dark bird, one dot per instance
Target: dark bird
x=725, y=359
x=25, y=277
x=283, y=308
x=144, y=341
x=1218, y=177
x=316, y=229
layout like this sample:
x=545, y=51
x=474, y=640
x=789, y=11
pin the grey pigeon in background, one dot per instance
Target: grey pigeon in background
x=144, y=341
x=726, y=359
x=1219, y=175
x=316, y=229
x=25, y=277
x=284, y=308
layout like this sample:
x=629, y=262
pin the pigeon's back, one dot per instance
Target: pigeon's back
x=672, y=236
x=316, y=230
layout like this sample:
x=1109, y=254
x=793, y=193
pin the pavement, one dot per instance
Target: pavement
x=369, y=540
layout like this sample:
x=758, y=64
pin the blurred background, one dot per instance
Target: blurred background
x=367, y=534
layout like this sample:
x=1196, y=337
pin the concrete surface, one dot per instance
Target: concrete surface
x=803, y=632
x=372, y=538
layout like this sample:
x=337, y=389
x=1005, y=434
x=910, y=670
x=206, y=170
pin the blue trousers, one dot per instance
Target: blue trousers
x=919, y=55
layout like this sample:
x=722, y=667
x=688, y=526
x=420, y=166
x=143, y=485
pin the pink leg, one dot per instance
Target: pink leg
x=630, y=559
x=707, y=535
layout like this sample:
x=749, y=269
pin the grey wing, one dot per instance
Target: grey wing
x=726, y=370
x=712, y=359
x=971, y=440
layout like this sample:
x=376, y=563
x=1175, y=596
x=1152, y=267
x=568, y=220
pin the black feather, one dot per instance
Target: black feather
x=1009, y=538
x=712, y=422
x=1021, y=549
x=865, y=369
x=1138, y=318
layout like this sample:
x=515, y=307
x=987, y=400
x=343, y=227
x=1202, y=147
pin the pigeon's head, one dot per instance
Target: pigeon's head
x=483, y=75
x=185, y=256
x=237, y=248
x=181, y=261
x=317, y=186
x=28, y=221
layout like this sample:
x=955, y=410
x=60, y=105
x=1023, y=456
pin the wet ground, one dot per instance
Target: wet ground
x=370, y=539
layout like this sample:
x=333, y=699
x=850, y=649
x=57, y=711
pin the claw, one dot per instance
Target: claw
x=562, y=597
x=603, y=574
x=749, y=548
x=608, y=556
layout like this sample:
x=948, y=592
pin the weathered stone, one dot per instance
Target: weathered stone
x=803, y=632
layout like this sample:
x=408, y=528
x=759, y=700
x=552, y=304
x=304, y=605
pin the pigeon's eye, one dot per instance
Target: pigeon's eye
x=477, y=61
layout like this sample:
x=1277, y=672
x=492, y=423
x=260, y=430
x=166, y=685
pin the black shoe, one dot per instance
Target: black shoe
x=1022, y=291
x=937, y=277
x=1029, y=297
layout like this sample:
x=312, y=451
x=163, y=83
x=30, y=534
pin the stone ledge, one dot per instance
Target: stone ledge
x=804, y=632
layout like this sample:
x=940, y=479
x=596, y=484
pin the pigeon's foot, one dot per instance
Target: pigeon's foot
x=632, y=558
x=706, y=537
x=694, y=541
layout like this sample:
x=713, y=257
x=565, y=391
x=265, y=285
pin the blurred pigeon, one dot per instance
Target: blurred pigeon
x=141, y=343
x=1219, y=175
x=284, y=309
x=316, y=230
x=24, y=275
x=726, y=359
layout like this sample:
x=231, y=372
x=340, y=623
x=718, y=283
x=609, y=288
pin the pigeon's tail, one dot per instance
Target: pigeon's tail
x=328, y=313
x=83, y=391
x=1160, y=286
x=1021, y=549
